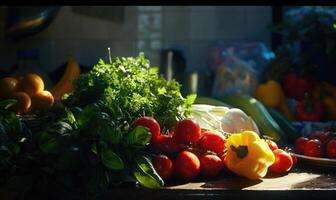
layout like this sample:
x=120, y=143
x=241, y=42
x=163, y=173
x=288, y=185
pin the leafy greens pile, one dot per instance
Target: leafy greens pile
x=90, y=146
x=130, y=88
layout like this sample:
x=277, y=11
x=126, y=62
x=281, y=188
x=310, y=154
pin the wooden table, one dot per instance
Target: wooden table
x=300, y=184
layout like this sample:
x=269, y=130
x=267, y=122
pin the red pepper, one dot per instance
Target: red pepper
x=309, y=110
x=296, y=87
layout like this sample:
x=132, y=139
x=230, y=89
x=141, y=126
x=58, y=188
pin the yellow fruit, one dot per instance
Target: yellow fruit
x=42, y=100
x=8, y=87
x=23, y=104
x=65, y=84
x=31, y=84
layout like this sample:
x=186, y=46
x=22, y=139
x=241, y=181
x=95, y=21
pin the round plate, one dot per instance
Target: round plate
x=317, y=161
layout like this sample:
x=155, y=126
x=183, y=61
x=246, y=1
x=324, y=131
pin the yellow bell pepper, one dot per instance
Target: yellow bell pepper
x=272, y=95
x=248, y=155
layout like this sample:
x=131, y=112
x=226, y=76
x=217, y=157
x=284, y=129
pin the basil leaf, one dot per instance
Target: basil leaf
x=111, y=160
x=145, y=173
x=138, y=137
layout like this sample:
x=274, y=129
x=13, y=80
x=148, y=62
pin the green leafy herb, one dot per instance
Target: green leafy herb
x=145, y=173
x=130, y=88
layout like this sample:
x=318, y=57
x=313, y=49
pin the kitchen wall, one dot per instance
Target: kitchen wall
x=188, y=28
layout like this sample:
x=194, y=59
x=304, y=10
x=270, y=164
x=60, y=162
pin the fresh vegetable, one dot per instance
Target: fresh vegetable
x=331, y=149
x=291, y=132
x=272, y=95
x=330, y=107
x=252, y=107
x=213, y=141
x=300, y=144
x=65, y=84
x=130, y=88
x=323, y=136
x=235, y=121
x=296, y=87
x=221, y=118
x=283, y=162
x=187, y=165
x=211, y=165
x=163, y=165
x=151, y=124
x=187, y=131
x=272, y=145
x=248, y=155
x=314, y=148
x=309, y=110
x=167, y=144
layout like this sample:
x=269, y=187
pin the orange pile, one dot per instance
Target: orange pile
x=29, y=91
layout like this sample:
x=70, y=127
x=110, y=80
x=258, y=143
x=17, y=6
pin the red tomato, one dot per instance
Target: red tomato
x=151, y=124
x=272, y=145
x=166, y=143
x=163, y=166
x=314, y=148
x=187, y=165
x=300, y=144
x=323, y=136
x=211, y=165
x=213, y=141
x=331, y=149
x=283, y=162
x=187, y=131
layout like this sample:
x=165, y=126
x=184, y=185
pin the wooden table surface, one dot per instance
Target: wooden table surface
x=303, y=182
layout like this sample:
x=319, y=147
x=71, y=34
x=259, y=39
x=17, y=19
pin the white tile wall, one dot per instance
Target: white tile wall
x=188, y=28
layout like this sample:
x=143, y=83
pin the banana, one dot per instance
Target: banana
x=65, y=84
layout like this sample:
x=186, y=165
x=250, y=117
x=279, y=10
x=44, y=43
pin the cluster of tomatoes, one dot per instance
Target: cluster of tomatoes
x=188, y=151
x=318, y=144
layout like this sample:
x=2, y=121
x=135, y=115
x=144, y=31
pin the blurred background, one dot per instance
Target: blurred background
x=192, y=44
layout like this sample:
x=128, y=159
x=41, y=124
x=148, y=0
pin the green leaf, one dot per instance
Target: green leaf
x=5, y=104
x=111, y=160
x=53, y=139
x=145, y=173
x=12, y=125
x=108, y=132
x=70, y=117
x=138, y=137
x=87, y=114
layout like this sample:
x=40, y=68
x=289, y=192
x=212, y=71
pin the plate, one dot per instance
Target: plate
x=316, y=161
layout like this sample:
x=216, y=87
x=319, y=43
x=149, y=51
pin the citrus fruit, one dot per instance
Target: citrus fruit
x=31, y=84
x=8, y=87
x=42, y=100
x=23, y=104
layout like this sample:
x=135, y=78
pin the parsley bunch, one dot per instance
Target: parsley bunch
x=129, y=88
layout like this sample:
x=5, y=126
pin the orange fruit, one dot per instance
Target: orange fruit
x=31, y=84
x=8, y=87
x=24, y=102
x=42, y=100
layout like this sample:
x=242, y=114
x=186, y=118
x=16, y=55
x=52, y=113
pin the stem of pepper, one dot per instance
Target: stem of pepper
x=241, y=151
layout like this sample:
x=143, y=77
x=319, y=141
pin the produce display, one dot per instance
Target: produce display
x=122, y=124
